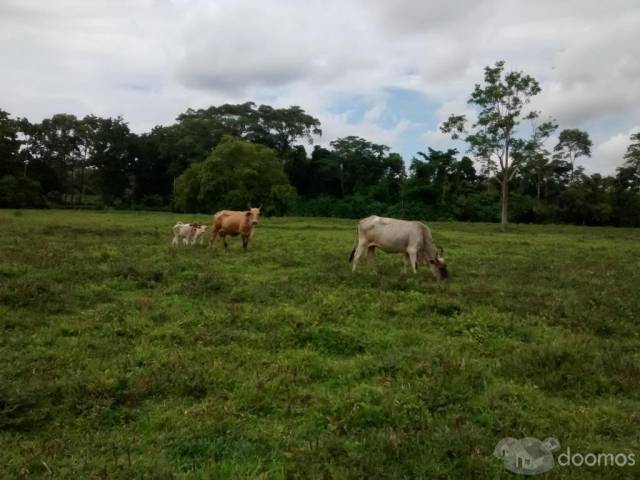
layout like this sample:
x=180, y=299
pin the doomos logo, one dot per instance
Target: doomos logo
x=530, y=456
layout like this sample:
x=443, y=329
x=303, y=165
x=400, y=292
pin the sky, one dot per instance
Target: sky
x=389, y=71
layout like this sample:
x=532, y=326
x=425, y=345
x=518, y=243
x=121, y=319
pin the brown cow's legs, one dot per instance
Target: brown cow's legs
x=245, y=243
x=214, y=235
x=224, y=240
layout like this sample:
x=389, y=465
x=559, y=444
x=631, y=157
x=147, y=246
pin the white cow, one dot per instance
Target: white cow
x=413, y=239
x=190, y=233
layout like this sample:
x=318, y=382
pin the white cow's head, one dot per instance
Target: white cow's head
x=433, y=256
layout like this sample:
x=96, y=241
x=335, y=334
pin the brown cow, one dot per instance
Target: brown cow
x=234, y=223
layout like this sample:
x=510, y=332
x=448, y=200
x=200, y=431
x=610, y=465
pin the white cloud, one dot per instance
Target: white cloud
x=609, y=154
x=150, y=60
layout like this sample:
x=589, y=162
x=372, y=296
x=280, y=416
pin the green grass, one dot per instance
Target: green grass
x=125, y=358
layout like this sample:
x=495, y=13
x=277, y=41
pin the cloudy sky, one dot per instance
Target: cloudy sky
x=387, y=70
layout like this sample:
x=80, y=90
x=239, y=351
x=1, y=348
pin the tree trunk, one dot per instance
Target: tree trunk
x=73, y=185
x=82, y=185
x=573, y=159
x=504, y=202
x=538, y=190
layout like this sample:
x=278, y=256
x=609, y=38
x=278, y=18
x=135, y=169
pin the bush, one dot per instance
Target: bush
x=20, y=193
x=283, y=199
x=546, y=213
x=55, y=198
x=153, y=201
x=188, y=189
x=521, y=208
x=479, y=207
x=237, y=173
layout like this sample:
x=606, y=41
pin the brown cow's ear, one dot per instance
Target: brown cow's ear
x=248, y=214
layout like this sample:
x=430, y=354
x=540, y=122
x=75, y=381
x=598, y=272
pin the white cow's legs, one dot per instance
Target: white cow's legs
x=356, y=256
x=405, y=256
x=413, y=256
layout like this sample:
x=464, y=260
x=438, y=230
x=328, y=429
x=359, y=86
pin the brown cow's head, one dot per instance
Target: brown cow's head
x=253, y=215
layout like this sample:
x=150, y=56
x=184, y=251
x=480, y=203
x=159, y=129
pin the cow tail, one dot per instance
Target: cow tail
x=355, y=245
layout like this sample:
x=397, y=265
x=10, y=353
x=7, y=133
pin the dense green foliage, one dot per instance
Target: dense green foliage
x=126, y=358
x=234, y=175
x=573, y=143
x=512, y=174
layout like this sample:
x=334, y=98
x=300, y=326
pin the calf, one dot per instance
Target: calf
x=234, y=223
x=412, y=239
x=190, y=233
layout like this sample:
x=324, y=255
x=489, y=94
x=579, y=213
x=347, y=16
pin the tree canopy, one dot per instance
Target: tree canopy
x=573, y=143
x=231, y=155
x=235, y=175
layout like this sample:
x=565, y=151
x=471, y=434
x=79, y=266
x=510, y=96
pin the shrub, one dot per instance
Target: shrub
x=20, y=193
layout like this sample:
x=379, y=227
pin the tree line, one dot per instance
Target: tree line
x=230, y=156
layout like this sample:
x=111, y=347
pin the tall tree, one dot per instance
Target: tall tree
x=432, y=175
x=327, y=174
x=500, y=101
x=280, y=128
x=573, y=143
x=54, y=145
x=361, y=163
x=588, y=201
x=394, y=178
x=439, y=179
x=9, y=145
x=112, y=159
x=277, y=128
x=534, y=156
x=632, y=156
x=627, y=188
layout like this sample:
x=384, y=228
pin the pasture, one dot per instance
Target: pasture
x=123, y=357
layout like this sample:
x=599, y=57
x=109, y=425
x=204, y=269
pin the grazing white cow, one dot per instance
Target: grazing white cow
x=190, y=233
x=413, y=239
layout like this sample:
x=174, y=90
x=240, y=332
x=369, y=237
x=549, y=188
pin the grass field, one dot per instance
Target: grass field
x=125, y=358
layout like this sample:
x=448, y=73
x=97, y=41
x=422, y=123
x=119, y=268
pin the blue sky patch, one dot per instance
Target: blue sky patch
x=401, y=105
